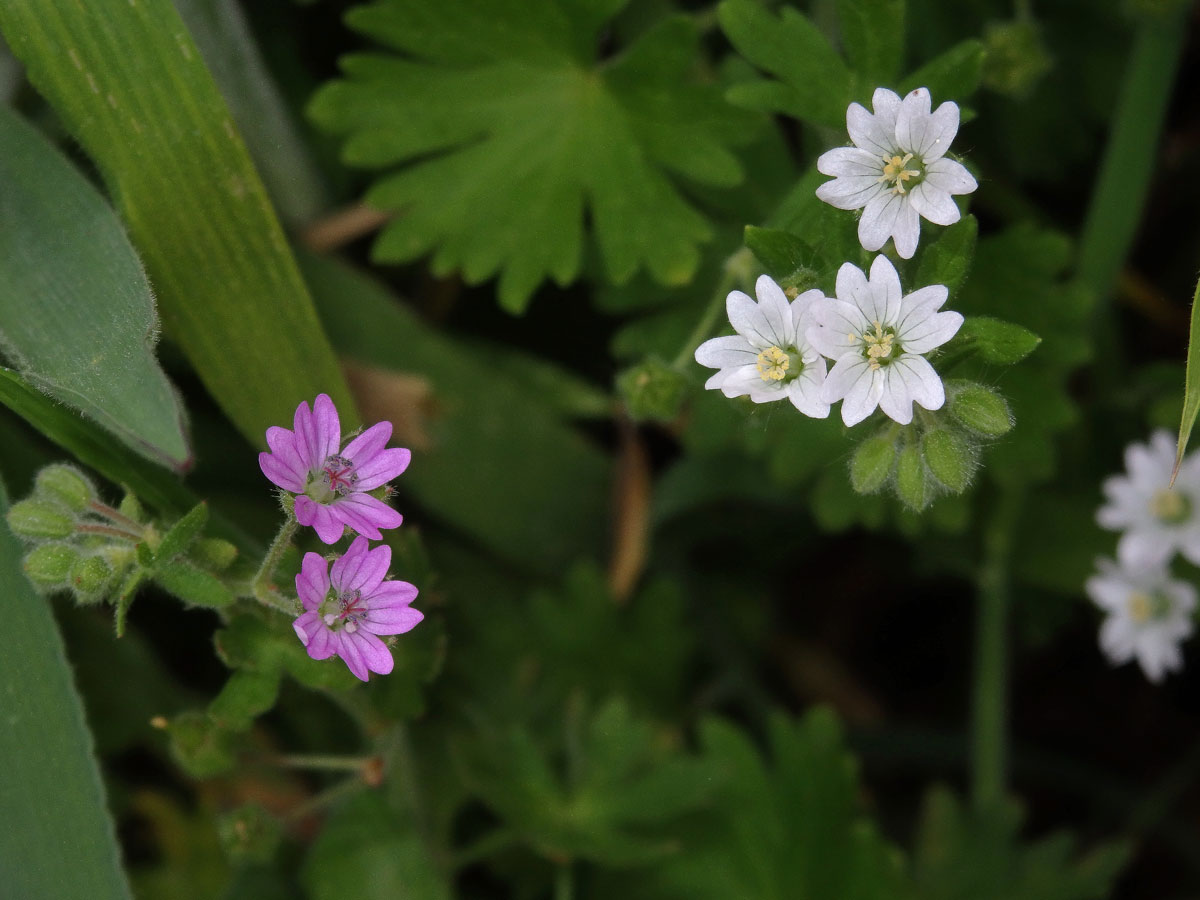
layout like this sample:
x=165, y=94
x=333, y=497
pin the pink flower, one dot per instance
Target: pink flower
x=350, y=605
x=331, y=485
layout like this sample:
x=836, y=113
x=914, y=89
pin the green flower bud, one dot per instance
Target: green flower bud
x=652, y=390
x=912, y=486
x=49, y=566
x=40, y=518
x=249, y=834
x=90, y=576
x=949, y=458
x=871, y=465
x=980, y=409
x=213, y=553
x=132, y=508
x=67, y=485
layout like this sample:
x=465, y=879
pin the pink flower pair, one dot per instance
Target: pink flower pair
x=349, y=605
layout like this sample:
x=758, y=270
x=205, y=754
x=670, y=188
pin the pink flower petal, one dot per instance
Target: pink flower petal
x=370, y=442
x=327, y=430
x=348, y=650
x=361, y=569
x=377, y=470
x=365, y=514
x=329, y=528
x=374, y=652
x=312, y=583
x=279, y=473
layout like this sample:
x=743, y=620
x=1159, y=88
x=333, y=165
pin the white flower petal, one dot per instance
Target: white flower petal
x=906, y=231
x=937, y=133
x=739, y=382
x=748, y=320
x=850, y=191
x=773, y=303
x=853, y=287
x=1143, y=549
x=803, y=315
x=875, y=132
x=934, y=204
x=805, y=391
x=855, y=383
x=949, y=176
x=878, y=220
x=723, y=352
x=924, y=384
x=932, y=332
x=850, y=162
x=896, y=400
x=885, y=293
x=838, y=327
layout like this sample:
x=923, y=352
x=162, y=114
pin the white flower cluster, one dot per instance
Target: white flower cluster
x=875, y=335
x=1148, y=613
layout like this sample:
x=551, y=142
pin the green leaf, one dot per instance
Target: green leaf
x=997, y=341
x=955, y=75
x=948, y=259
x=193, y=586
x=1191, y=384
x=873, y=38
x=814, y=83
x=525, y=485
x=961, y=855
x=92, y=447
x=131, y=87
x=182, y=533
x=787, y=258
x=368, y=851
x=500, y=112
x=76, y=313
x=245, y=697
x=60, y=805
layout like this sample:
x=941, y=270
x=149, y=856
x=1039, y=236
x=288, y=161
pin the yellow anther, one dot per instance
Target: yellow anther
x=1170, y=506
x=773, y=364
x=895, y=173
x=879, y=345
x=1140, y=607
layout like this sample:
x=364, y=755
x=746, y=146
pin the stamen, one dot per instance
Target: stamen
x=338, y=473
x=1170, y=507
x=773, y=364
x=895, y=173
x=879, y=345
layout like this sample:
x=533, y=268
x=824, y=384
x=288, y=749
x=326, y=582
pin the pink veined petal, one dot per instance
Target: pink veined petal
x=382, y=468
x=775, y=308
x=923, y=383
x=279, y=473
x=327, y=430
x=369, y=442
x=895, y=399
x=906, y=231
x=393, y=593
x=934, y=204
x=850, y=192
x=315, y=636
x=348, y=650
x=374, y=652
x=850, y=161
x=304, y=430
x=346, y=566
x=365, y=514
x=393, y=621
x=305, y=510
x=879, y=220
x=805, y=391
x=913, y=121
x=312, y=583
x=318, y=516
x=885, y=294
x=366, y=570
x=862, y=398
x=748, y=320
x=283, y=447
x=723, y=352
x=949, y=176
x=932, y=333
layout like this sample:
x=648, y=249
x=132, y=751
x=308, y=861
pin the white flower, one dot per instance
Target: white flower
x=769, y=358
x=876, y=338
x=1156, y=519
x=1149, y=614
x=897, y=169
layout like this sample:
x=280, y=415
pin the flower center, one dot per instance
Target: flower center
x=896, y=172
x=879, y=345
x=1170, y=507
x=335, y=478
x=1143, y=607
x=344, y=611
x=779, y=364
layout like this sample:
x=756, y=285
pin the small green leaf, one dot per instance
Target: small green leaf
x=787, y=258
x=873, y=38
x=182, y=533
x=76, y=314
x=948, y=259
x=997, y=341
x=912, y=485
x=191, y=585
x=245, y=697
x=1191, y=384
x=125, y=596
x=61, y=842
x=814, y=83
x=871, y=465
x=949, y=458
x=955, y=75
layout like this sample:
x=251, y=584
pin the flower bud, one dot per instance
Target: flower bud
x=249, y=834
x=49, y=565
x=40, y=518
x=912, y=486
x=131, y=507
x=652, y=390
x=871, y=465
x=949, y=458
x=67, y=485
x=980, y=409
x=213, y=553
x=90, y=576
